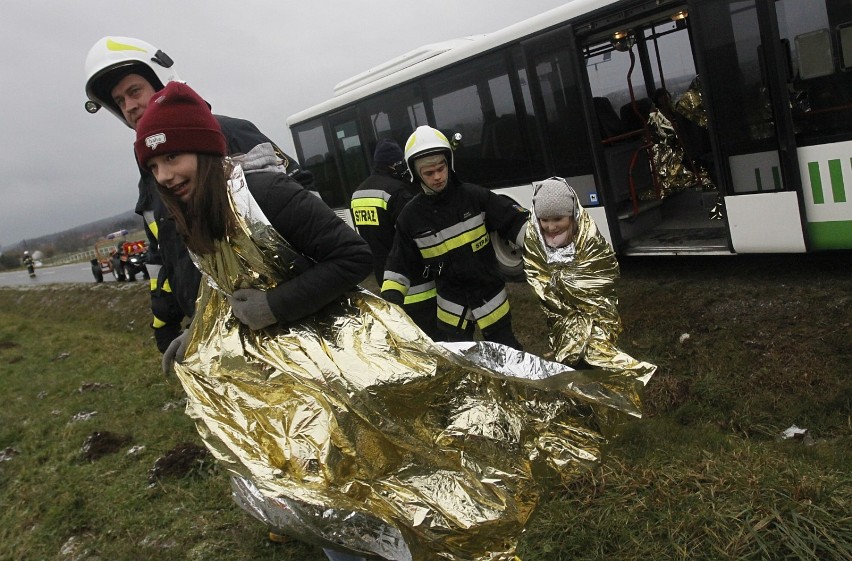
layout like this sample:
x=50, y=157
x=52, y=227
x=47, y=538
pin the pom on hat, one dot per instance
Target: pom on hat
x=177, y=120
x=553, y=198
x=387, y=153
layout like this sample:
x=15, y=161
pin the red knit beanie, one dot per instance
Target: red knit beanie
x=177, y=120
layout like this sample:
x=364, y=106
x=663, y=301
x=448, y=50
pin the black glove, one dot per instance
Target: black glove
x=175, y=352
x=251, y=307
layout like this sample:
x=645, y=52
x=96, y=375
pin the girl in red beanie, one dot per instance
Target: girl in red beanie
x=180, y=142
x=275, y=253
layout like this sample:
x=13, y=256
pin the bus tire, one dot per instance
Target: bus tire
x=510, y=259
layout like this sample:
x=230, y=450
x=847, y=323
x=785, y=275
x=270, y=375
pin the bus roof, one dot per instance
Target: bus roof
x=410, y=58
x=425, y=59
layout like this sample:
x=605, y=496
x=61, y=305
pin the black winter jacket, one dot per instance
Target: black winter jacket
x=446, y=237
x=336, y=257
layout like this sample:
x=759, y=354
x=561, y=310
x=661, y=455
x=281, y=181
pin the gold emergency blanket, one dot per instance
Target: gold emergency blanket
x=352, y=428
x=675, y=171
x=576, y=288
x=690, y=104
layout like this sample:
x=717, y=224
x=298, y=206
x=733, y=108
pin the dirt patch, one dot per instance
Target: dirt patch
x=181, y=461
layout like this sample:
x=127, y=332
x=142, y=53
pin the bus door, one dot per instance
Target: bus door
x=651, y=132
x=780, y=92
x=782, y=97
x=556, y=93
x=352, y=160
x=819, y=88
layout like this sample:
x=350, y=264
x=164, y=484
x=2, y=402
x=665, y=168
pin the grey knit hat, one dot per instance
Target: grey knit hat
x=553, y=197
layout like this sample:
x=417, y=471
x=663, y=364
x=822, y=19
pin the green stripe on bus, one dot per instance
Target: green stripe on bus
x=816, y=183
x=836, y=174
x=757, y=179
x=776, y=177
x=830, y=235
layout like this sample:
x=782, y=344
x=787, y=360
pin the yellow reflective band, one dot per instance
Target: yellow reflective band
x=166, y=286
x=154, y=230
x=393, y=285
x=153, y=283
x=451, y=319
x=369, y=201
x=411, y=140
x=494, y=316
x=420, y=297
x=157, y=323
x=365, y=216
x=471, y=236
x=116, y=46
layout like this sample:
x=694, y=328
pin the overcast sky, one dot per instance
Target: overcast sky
x=258, y=60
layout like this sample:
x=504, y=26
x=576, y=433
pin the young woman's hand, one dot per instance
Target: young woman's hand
x=175, y=352
x=251, y=307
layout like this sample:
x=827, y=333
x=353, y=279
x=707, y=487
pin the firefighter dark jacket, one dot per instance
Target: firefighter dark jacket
x=447, y=237
x=376, y=204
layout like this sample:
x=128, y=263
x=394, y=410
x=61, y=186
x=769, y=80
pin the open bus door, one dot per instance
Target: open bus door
x=654, y=158
x=746, y=68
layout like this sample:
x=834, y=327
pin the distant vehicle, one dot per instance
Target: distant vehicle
x=104, y=264
x=133, y=256
x=124, y=260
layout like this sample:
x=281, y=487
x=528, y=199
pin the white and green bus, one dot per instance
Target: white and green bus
x=568, y=93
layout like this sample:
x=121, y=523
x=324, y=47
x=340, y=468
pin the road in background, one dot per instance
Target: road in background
x=75, y=272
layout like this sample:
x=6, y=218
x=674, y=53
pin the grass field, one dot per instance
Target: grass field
x=746, y=347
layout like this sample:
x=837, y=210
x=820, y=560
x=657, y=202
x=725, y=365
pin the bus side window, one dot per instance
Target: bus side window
x=629, y=116
x=814, y=54
x=844, y=36
x=501, y=139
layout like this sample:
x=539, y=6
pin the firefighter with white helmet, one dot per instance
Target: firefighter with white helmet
x=113, y=58
x=122, y=75
x=443, y=234
x=424, y=143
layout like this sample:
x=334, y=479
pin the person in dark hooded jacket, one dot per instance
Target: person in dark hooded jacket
x=181, y=144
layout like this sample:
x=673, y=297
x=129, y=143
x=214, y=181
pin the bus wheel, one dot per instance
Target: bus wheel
x=510, y=259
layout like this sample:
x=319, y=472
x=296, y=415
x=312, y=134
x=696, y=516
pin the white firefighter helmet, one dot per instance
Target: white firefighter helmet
x=425, y=141
x=112, y=58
